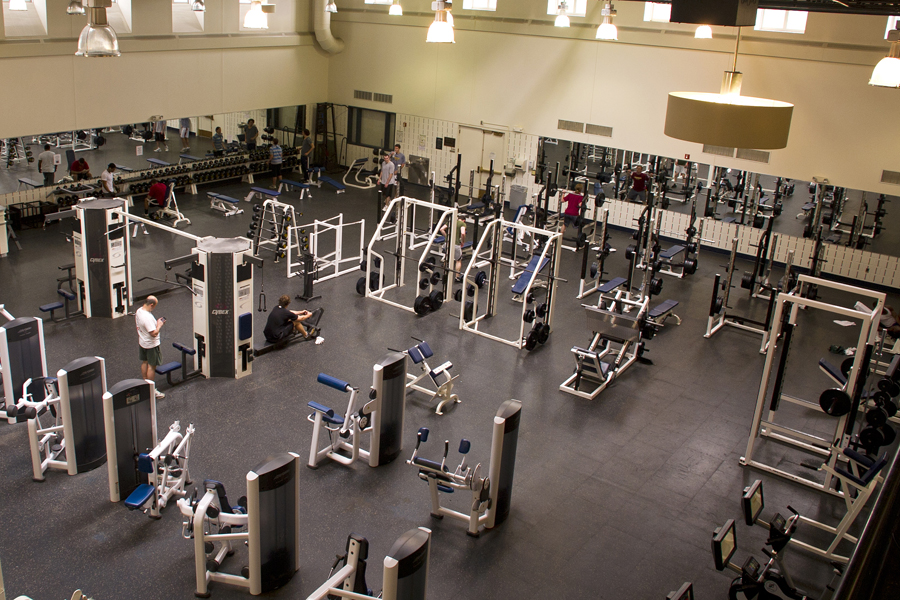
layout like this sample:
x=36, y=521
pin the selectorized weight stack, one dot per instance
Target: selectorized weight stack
x=102, y=262
x=22, y=358
x=222, y=282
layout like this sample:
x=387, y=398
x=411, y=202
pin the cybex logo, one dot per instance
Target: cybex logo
x=97, y=260
x=220, y=312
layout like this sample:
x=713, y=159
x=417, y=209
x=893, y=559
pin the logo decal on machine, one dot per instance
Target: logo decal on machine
x=220, y=312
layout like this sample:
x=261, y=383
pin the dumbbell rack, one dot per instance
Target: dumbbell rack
x=271, y=227
x=15, y=151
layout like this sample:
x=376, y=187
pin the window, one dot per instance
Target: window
x=782, y=21
x=25, y=23
x=574, y=8
x=185, y=20
x=371, y=128
x=657, y=12
x=891, y=25
x=119, y=15
x=480, y=5
x=379, y=1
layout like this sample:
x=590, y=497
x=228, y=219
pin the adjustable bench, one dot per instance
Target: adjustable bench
x=440, y=377
x=663, y=311
x=266, y=194
x=292, y=185
x=123, y=168
x=170, y=367
x=337, y=185
x=221, y=203
x=29, y=183
x=314, y=176
x=522, y=281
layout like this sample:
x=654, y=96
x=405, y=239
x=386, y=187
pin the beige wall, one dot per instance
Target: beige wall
x=841, y=129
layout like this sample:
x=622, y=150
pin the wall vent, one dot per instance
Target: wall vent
x=360, y=95
x=598, y=130
x=890, y=177
x=718, y=150
x=756, y=155
x=386, y=98
x=571, y=126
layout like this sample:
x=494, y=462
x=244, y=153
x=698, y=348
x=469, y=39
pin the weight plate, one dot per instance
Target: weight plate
x=528, y=316
x=543, y=333
x=480, y=279
x=457, y=295
x=835, y=403
x=424, y=283
x=629, y=251
x=470, y=290
x=690, y=266
x=422, y=305
x=876, y=417
x=531, y=341
x=747, y=281
x=436, y=277
x=846, y=366
x=719, y=304
x=469, y=310
x=872, y=437
x=593, y=270
x=541, y=310
x=361, y=286
x=437, y=299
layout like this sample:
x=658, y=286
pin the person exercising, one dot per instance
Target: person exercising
x=148, y=339
x=639, y=183
x=573, y=202
x=283, y=323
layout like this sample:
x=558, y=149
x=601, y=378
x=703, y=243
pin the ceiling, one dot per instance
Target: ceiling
x=853, y=7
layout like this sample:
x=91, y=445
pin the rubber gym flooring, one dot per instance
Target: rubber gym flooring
x=613, y=498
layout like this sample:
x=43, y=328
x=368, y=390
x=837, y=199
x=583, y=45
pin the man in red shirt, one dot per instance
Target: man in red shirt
x=573, y=207
x=80, y=170
x=157, y=193
x=639, y=183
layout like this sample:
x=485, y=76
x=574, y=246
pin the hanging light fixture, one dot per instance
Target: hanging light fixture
x=607, y=31
x=98, y=38
x=331, y=7
x=75, y=8
x=704, y=32
x=441, y=30
x=727, y=118
x=256, y=17
x=562, y=19
x=198, y=6
x=396, y=10
x=17, y=5
x=887, y=71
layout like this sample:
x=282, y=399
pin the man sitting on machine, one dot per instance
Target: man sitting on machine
x=80, y=170
x=283, y=323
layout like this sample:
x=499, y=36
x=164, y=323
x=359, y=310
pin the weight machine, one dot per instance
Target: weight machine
x=317, y=236
x=382, y=418
x=142, y=468
x=405, y=570
x=440, y=377
x=841, y=404
x=267, y=520
x=22, y=359
x=491, y=495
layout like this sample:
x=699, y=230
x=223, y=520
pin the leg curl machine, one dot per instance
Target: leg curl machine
x=267, y=520
x=491, y=495
x=142, y=468
x=405, y=570
x=439, y=377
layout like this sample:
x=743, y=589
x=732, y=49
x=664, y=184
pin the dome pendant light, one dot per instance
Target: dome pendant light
x=75, y=8
x=887, y=71
x=562, y=19
x=98, y=38
x=256, y=17
x=441, y=30
x=331, y=7
x=704, y=32
x=607, y=30
x=396, y=10
x=17, y=5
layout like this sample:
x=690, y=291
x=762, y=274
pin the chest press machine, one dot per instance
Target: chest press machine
x=142, y=468
x=267, y=520
x=381, y=418
x=22, y=362
x=405, y=570
x=491, y=495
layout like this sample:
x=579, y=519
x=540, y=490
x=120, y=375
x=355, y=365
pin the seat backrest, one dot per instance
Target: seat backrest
x=145, y=464
x=426, y=350
x=415, y=355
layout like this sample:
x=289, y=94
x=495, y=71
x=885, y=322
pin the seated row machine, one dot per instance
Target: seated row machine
x=382, y=418
x=491, y=495
x=142, y=468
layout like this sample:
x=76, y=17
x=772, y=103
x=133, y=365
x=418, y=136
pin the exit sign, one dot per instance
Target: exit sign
x=687, y=157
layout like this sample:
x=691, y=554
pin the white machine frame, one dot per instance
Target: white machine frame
x=328, y=264
x=358, y=165
x=351, y=426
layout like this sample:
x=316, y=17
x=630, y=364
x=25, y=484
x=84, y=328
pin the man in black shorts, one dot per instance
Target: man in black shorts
x=283, y=323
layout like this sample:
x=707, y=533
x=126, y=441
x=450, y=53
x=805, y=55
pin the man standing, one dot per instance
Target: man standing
x=388, y=178
x=148, y=328
x=46, y=165
x=399, y=160
x=218, y=142
x=159, y=134
x=275, y=161
x=305, y=150
x=185, y=128
x=107, y=183
x=251, y=135
x=639, y=183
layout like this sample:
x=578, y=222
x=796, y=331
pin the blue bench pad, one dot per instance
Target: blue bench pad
x=662, y=308
x=223, y=197
x=611, y=285
x=671, y=252
x=50, y=307
x=522, y=282
x=265, y=191
x=139, y=496
x=168, y=367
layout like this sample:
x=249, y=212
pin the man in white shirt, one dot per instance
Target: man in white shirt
x=148, y=328
x=47, y=165
x=388, y=178
x=107, y=184
x=159, y=134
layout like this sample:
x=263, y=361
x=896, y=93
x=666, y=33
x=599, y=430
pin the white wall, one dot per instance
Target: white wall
x=527, y=76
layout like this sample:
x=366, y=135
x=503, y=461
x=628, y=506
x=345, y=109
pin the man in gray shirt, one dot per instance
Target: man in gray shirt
x=399, y=160
x=387, y=179
x=252, y=135
x=305, y=150
x=185, y=128
x=218, y=141
x=46, y=165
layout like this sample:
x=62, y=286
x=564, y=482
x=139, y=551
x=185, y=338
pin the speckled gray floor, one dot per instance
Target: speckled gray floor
x=613, y=498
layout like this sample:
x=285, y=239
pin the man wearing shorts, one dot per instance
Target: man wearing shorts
x=159, y=133
x=457, y=248
x=639, y=183
x=306, y=149
x=185, y=129
x=276, y=158
x=148, y=338
x=573, y=207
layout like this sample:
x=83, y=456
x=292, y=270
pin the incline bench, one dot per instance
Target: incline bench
x=221, y=203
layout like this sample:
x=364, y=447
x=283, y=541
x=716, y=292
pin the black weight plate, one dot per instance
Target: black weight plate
x=846, y=366
x=889, y=386
x=543, y=333
x=747, y=281
x=593, y=270
x=422, y=305
x=876, y=417
x=719, y=304
x=690, y=266
x=373, y=281
x=469, y=310
x=888, y=434
x=470, y=290
x=541, y=310
x=872, y=437
x=424, y=283
x=361, y=286
x=457, y=295
x=835, y=402
x=528, y=316
x=436, y=277
x=437, y=299
x=480, y=279
x=531, y=341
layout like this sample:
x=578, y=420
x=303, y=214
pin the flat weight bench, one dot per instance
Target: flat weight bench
x=266, y=194
x=671, y=252
x=29, y=183
x=158, y=163
x=225, y=204
x=292, y=185
x=663, y=311
x=522, y=281
x=170, y=367
x=337, y=185
x=54, y=306
x=187, y=157
x=611, y=285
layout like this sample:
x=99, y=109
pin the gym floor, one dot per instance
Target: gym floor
x=613, y=498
